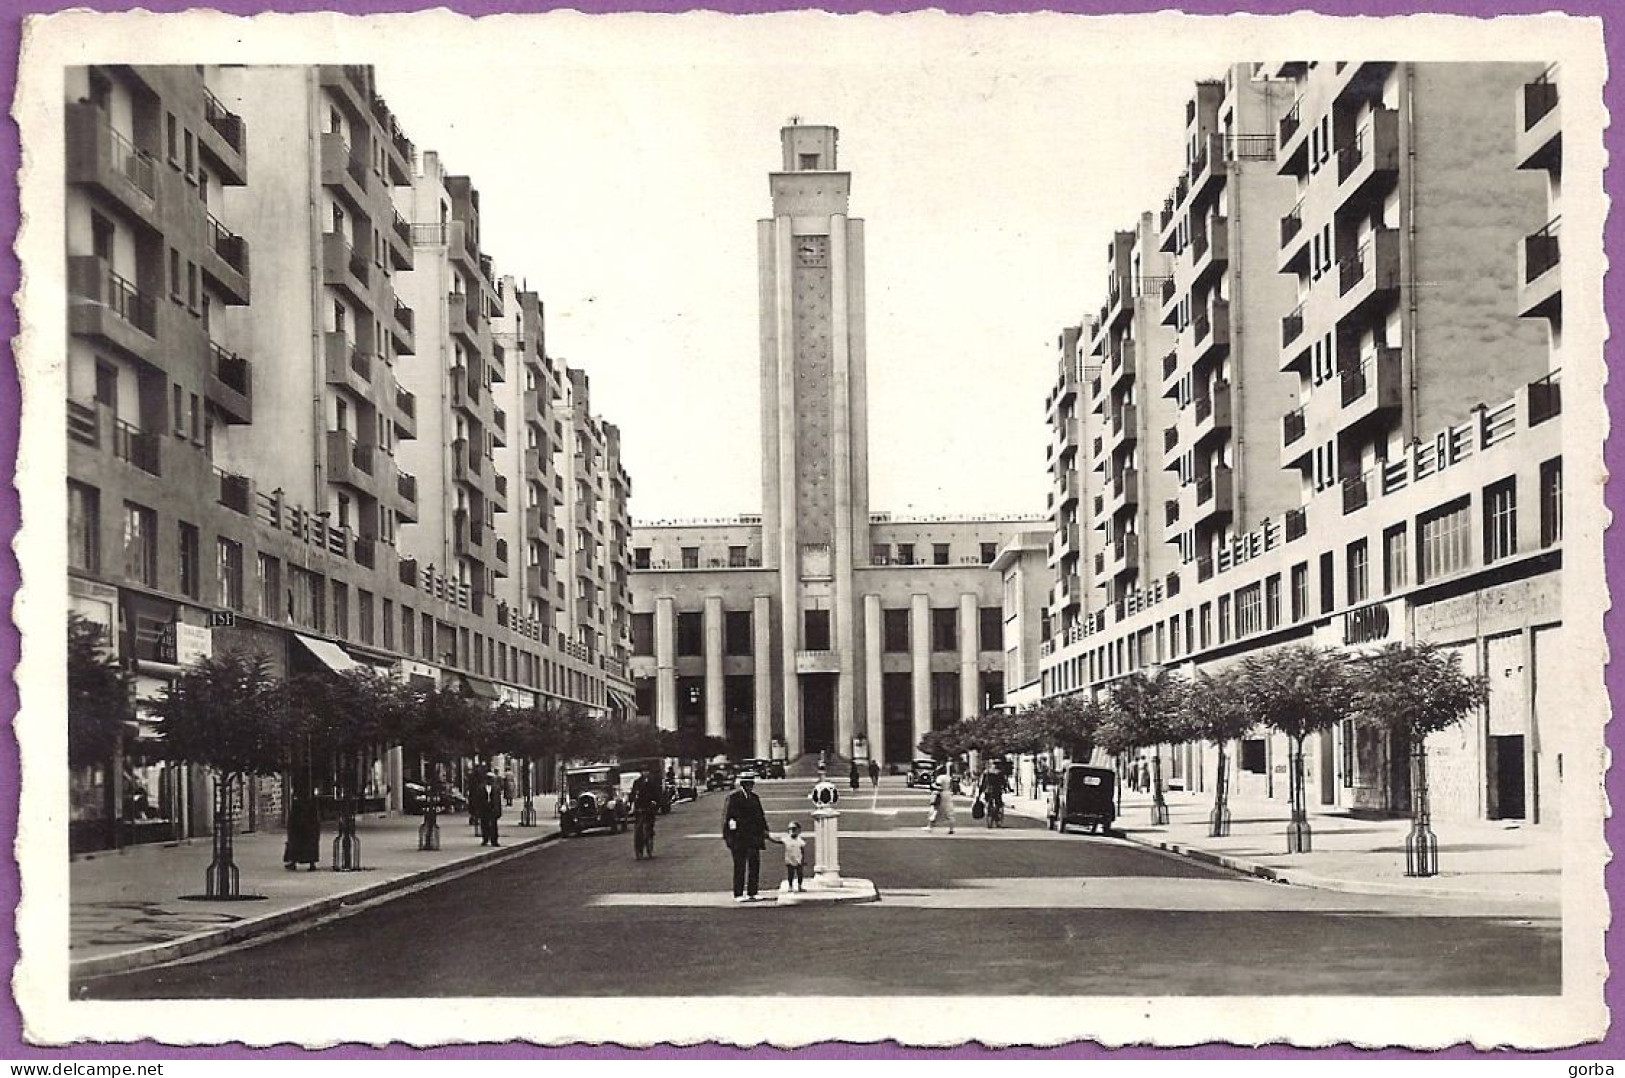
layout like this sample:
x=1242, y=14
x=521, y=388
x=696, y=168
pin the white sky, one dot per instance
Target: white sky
x=622, y=169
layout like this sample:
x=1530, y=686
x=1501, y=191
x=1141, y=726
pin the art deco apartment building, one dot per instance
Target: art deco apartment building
x=1423, y=435
x=817, y=625
x=1075, y=593
x=1540, y=148
x=257, y=474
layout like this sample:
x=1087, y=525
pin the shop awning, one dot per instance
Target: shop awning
x=328, y=654
x=624, y=702
x=475, y=686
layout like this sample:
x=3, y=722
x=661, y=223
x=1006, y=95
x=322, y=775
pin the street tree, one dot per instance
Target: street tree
x=1216, y=710
x=440, y=729
x=1145, y=711
x=1416, y=690
x=227, y=713
x=98, y=706
x=1297, y=691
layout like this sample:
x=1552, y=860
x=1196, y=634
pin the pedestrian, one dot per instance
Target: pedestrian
x=490, y=809
x=304, y=843
x=744, y=829
x=991, y=790
x=507, y=787
x=874, y=771
x=645, y=807
x=942, y=805
x=795, y=857
x=854, y=776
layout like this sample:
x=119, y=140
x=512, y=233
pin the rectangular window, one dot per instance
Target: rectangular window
x=363, y=615
x=1225, y=604
x=1250, y=609
x=1395, y=564
x=1443, y=538
x=989, y=552
x=939, y=553
x=1328, y=583
x=140, y=544
x=172, y=139
x=1551, y=501
x=386, y=620
x=175, y=290
x=894, y=624
x=341, y=609
x=880, y=553
x=815, y=630
x=945, y=629
x=1300, y=591
x=736, y=633
x=905, y=553
x=1359, y=571
x=640, y=557
x=1272, y=601
x=107, y=386
x=409, y=620
x=190, y=570
x=690, y=634
x=1500, y=520
x=191, y=285
x=691, y=557
x=944, y=699
x=643, y=634
x=268, y=579
x=229, y=571
x=84, y=527
x=736, y=557
x=1205, y=619
x=990, y=628
x=187, y=142
x=1252, y=756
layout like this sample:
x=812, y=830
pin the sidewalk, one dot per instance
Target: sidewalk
x=1485, y=860
x=126, y=910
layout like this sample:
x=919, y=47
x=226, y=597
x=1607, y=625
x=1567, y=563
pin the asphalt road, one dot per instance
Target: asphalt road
x=1003, y=912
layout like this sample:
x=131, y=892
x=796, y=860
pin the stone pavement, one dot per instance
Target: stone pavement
x=127, y=910
x=1478, y=859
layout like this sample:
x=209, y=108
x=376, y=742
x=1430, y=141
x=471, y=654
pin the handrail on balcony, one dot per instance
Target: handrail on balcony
x=126, y=300
x=1204, y=408
x=130, y=160
x=1292, y=325
x=136, y=446
x=226, y=243
x=1290, y=122
x=223, y=120
x=1542, y=250
x=1293, y=426
x=1545, y=398
x=231, y=368
x=1539, y=98
x=1292, y=223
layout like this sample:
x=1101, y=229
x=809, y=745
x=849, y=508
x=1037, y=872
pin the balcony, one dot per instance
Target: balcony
x=1208, y=166
x=1293, y=428
x=406, y=490
x=406, y=412
x=230, y=387
x=1070, y=489
x=468, y=535
x=1125, y=490
x=346, y=268
x=1372, y=271
x=399, y=242
x=366, y=551
x=99, y=156
x=223, y=137
x=499, y=426
x=137, y=447
x=1540, y=286
x=1292, y=327
x=1545, y=399
x=1170, y=364
x=1211, y=329
x=1540, y=123
x=465, y=389
x=499, y=491
x=1125, y=426
x=1170, y=513
x=347, y=365
x=1204, y=568
x=104, y=305
x=1125, y=554
x=1371, y=386
x=1210, y=247
x=235, y=492
x=225, y=261
x=1122, y=363
x=343, y=168
x=1215, y=494
x=349, y=463
x=1168, y=291
x=1170, y=439
x=1291, y=155
x=1297, y=523
x=404, y=329
x=1212, y=413
x=1368, y=166
x=536, y=579
x=463, y=317
x=1355, y=493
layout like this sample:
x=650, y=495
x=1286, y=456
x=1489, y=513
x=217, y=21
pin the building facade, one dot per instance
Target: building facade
x=270, y=470
x=816, y=625
x=1419, y=433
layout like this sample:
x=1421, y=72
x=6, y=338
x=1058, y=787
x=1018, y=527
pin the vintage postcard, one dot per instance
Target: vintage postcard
x=763, y=530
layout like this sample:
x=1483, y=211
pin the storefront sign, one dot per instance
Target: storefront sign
x=1367, y=624
x=182, y=645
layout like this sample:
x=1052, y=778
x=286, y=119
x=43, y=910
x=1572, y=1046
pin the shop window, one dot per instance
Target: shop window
x=84, y=527
x=1252, y=756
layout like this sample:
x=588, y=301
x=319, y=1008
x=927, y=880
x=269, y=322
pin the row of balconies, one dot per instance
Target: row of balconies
x=1368, y=386
x=1540, y=289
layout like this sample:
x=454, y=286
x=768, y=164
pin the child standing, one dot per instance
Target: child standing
x=795, y=855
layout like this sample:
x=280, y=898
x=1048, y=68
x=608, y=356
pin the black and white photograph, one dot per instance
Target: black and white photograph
x=926, y=528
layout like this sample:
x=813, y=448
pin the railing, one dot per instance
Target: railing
x=1539, y=98
x=1198, y=245
x=1290, y=122
x=1204, y=489
x=1545, y=398
x=1292, y=224
x=1352, y=153
x=1292, y=326
x=361, y=363
x=360, y=268
x=1297, y=523
x=1204, y=567
x=1170, y=438
x=232, y=369
x=223, y=120
x=227, y=244
x=501, y=485
x=129, y=160
x=1170, y=363
x=1351, y=269
x=1356, y=494
x=431, y=234
x=406, y=486
x=1251, y=147
x=1292, y=426
x=1167, y=291
x=1540, y=251
x=402, y=229
x=1204, y=408
x=406, y=402
x=366, y=551
x=125, y=299
x=405, y=316
x=1353, y=380
x=135, y=446
x=235, y=491
x=1170, y=512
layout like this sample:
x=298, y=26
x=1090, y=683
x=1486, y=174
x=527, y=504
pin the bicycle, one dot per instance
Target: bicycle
x=643, y=835
x=995, y=812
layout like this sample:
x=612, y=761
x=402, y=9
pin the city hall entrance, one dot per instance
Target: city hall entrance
x=818, y=713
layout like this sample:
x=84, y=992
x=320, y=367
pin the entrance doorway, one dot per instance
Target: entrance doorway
x=1506, y=788
x=818, y=712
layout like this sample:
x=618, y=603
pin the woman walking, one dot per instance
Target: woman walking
x=942, y=805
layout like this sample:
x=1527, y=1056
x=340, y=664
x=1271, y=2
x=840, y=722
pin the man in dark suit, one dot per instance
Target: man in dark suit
x=744, y=829
x=490, y=809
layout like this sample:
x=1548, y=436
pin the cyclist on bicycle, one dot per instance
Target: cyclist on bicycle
x=991, y=790
x=645, y=807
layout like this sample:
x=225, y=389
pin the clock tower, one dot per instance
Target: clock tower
x=815, y=518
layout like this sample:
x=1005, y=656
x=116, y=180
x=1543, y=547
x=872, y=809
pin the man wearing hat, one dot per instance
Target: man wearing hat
x=744, y=829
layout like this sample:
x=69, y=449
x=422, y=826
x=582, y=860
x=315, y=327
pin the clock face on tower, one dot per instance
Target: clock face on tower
x=812, y=250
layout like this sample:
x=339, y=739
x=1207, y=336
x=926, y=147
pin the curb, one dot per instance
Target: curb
x=214, y=939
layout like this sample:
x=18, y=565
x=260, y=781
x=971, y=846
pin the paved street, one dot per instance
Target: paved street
x=1014, y=911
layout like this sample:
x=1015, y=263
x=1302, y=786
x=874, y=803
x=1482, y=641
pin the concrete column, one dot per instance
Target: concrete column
x=970, y=686
x=919, y=646
x=874, y=714
x=714, y=722
x=845, y=606
x=666, y=663
x=761, y=646
x=789, y=533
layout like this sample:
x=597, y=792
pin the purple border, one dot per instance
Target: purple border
x=11, y=1043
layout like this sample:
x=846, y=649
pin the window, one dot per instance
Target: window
x=1250, y=608
x=736, y=557
x=989, y=552
x=191, y=285
x=1272, y=601
x=1252, y=755
x=197, y=417
x=1442, y=540
x=1205, y=625
x=945, y=629
x=880, y=553
x=990, y=628
x=341, y=609
x=643, y=634
x=189, y=162
x=101, y=237
x=894, y=626
x=305, y=598
x=177, y=410
x=188, y=541
x=944, y=699
x=268, y=578
x=1359, y=566
x=229, y=558
x=1500, y=520
x=1394, y=561
x=815, y=630
x=939, y=553
x=175, y=291
x=690, y=634
x=363, y=615
x=409, y=621
x=1300, y=591
x=1551, y=501
x=107, y=386
x=140, y=549
x=736, y=633
x=1328, y=584
x=905, y=553
x=691, y=557
x=172, y=139
x=84, y=527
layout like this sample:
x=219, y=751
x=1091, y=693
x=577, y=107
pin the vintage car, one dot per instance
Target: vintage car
x=591, y=797
x=631, y=769
x=687, y=787
x=719, y=775
x=923, y=772
x=1085, y=796
x=772, y=769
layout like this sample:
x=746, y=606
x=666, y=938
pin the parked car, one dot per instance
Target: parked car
x=591, y=797
x=631, y=769
x=923, y=772
x=687, y=788
x=719, y=776
x=1085, y=796
x=772, y=769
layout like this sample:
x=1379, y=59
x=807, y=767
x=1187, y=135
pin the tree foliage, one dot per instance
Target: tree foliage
x=1216, y=708
x=1298, y=690
x=227, y=712
x=98, y=694
x=1418, y=689
x=1143, y=710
